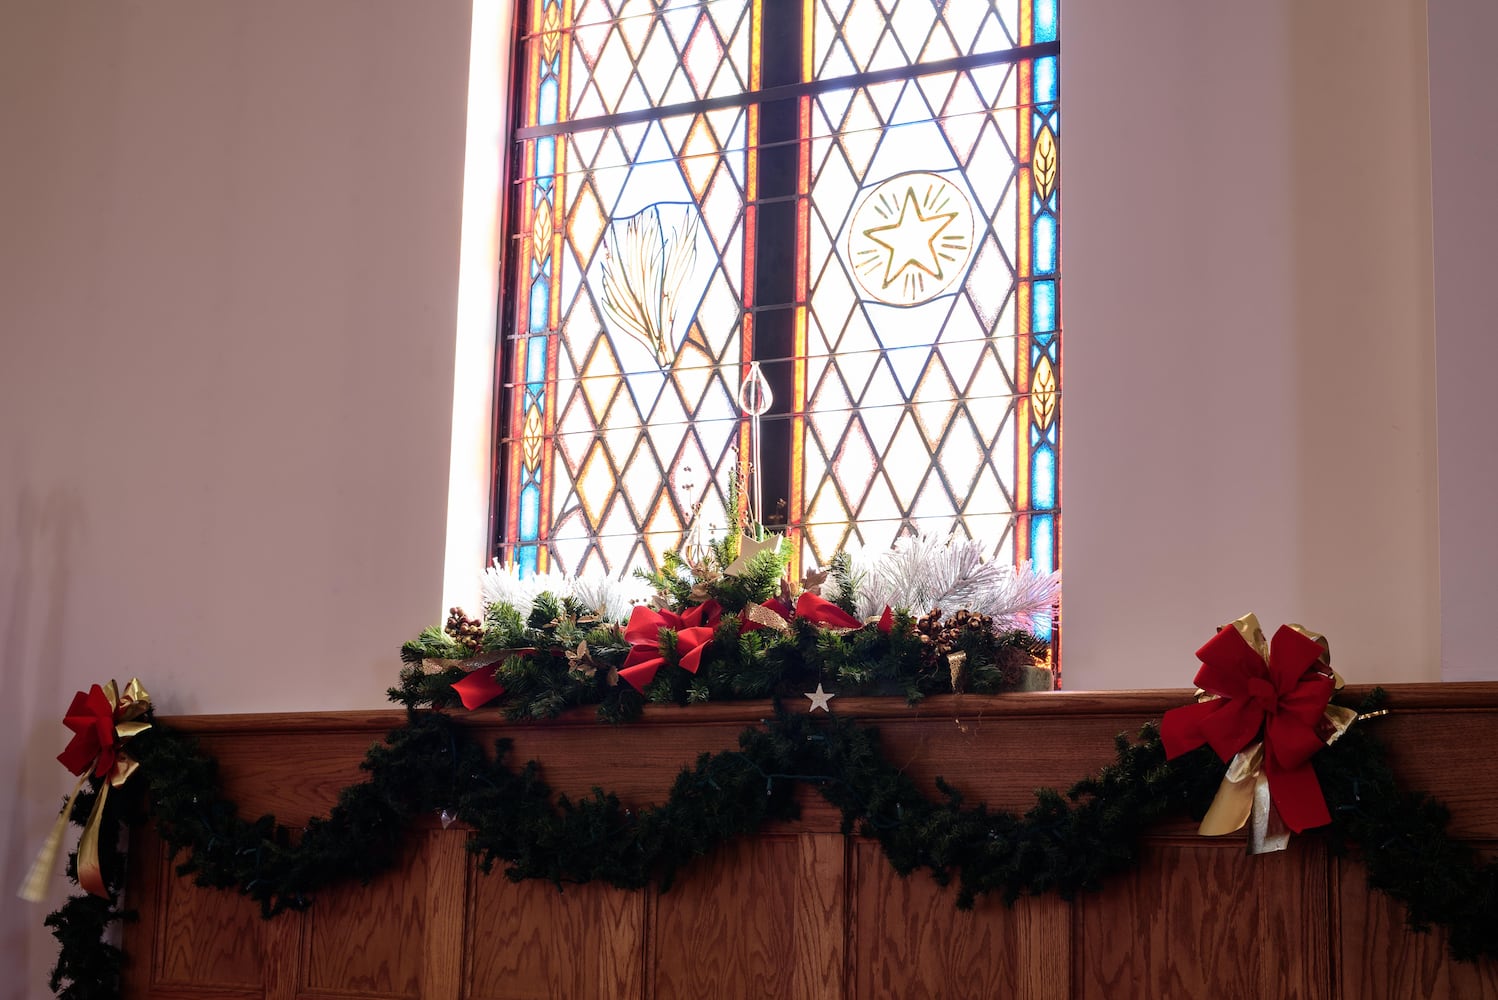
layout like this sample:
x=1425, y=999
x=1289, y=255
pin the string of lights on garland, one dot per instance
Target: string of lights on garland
x=1266, y=746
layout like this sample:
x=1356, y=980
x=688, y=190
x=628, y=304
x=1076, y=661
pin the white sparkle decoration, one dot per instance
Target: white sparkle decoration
x=925, y=572
x=611, y=597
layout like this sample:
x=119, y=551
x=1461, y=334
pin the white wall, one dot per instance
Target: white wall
x=228, y=292
x=1249, y=387
x=1464, y=153
x=228, y=285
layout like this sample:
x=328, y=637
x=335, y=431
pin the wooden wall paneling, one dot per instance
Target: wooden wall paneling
x=1182, y=925
x=1044, y=937
x=293, y=777
x=1296, y=936
x=798, y=911
x=283, y=955
x=447, y=908
x=962, y=743
x=908, y=941
x=368, y=941
x=1381, y=959
x=762, y=917
x=530, y=941
x=1439, y=752
x=206, y=940
x=820, y=918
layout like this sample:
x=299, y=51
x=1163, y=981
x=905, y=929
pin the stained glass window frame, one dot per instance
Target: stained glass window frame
x=534, y=339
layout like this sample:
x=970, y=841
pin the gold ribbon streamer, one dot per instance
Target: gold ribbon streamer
x=34, y=887
x=768, y=617
x=432, y=665
x=127, y=708
x=957, y=667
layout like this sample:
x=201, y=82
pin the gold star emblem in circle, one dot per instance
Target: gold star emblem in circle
x=910, y=238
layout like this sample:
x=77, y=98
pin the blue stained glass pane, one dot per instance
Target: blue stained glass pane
x=525, y=558
x=1043, y=543
x=546, y=156
x=530, y=512
x=1045, y=79
x=540, y=293
x=1045, y=243
x=1043, y=306
x=535, y=360
x=546, y=112
x=1043, y=480
x=1045, y=20
x=1043, y=341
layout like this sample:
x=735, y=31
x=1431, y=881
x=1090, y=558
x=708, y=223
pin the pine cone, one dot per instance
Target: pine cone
x=938, y=639
x=465, y=631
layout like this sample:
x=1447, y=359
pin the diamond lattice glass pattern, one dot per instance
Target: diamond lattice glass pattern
x=917, y=370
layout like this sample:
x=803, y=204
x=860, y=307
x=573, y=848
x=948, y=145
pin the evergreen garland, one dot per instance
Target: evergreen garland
x=1066, y=843
x=561, y=656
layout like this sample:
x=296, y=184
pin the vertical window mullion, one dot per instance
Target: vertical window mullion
x=776, y=239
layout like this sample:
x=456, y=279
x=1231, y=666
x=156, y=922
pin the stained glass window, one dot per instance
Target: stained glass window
x=857, y=198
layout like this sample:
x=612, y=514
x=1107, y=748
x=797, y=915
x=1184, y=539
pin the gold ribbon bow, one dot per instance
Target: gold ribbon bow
x=102, y=723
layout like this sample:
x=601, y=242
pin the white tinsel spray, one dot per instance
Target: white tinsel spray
x=925, y=572
x=611, y=597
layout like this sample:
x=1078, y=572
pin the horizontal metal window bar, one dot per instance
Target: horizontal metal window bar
x=793, y=90
x=815, y=137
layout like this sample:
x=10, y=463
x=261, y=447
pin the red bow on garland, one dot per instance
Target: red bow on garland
x=1266, y=710
x=693, y=629
x=102, y=719
x=810, y=607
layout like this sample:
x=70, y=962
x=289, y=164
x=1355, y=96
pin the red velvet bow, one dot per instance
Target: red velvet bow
x=1286, y=697
x=693, y=628
x=91, y=718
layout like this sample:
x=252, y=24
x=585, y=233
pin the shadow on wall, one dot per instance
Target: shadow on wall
x=39, y=544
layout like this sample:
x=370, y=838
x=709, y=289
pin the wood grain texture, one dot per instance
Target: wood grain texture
x=798, y=911
x=283, y=956
x=1382, y=960
x=446, y=897
x=907, y=940
x=1182, y=925
x=1295, y=934
x=761, y=918
x=529, y=941
x=205, y=938
x=368, y=940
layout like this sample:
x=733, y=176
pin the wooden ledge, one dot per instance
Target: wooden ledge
x=1482, y=696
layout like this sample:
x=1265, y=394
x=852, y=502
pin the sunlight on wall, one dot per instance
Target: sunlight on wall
x=478, y=290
